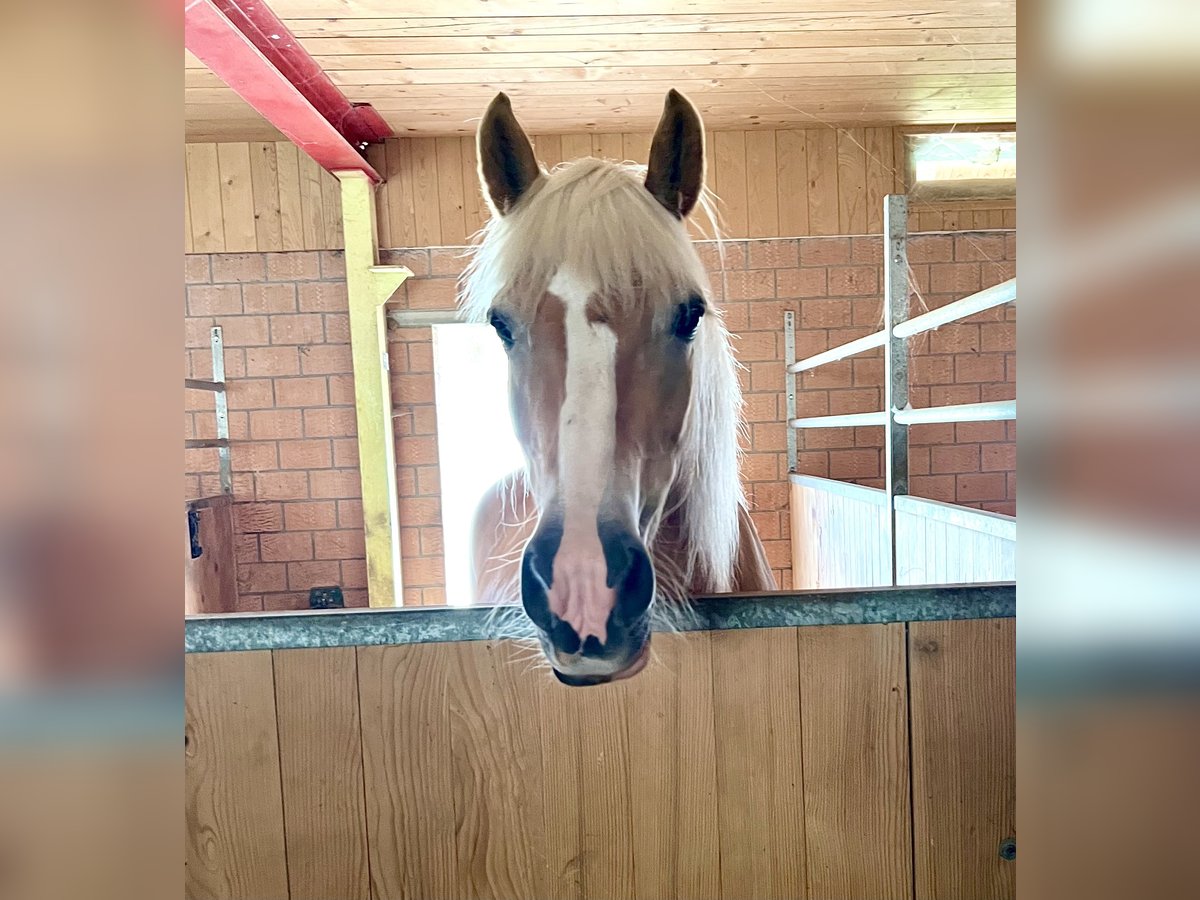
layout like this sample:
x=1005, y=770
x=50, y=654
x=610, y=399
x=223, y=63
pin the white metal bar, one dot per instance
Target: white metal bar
x=845, y=421
x=997, y=295
x=861, y=345
x=221, y=408
x=789, y=345
x=895, y=361
x=993, y=411
x=424, y=318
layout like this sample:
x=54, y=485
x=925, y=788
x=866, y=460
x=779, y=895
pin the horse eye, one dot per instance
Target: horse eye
x=498, y=322
x=687, y=318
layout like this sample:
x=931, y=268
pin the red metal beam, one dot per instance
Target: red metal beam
x=359, y=123
x=221, y=46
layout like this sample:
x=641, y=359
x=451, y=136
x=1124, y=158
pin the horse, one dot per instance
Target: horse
x=623, y=393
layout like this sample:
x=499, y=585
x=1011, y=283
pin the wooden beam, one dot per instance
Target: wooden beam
x=369, y=286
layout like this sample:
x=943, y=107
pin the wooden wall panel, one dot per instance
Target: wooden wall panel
x=962, y=677
x=781, y=183
x=234, y=809
x=320, y=758
x=756, y=700
x=749, y=763
x=856, y=768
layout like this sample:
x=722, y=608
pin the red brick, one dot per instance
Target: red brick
x=303, y=266
x=771, y=496
x=325, y=360
x=931, y=370
x=333, y=264
x=447, y=262
x=432, y=293
x=248, y=456
x=355, y=599
x=852, y=281
x=828, y=439
x=760, y=467
x=760, y=408
x=758, y=284
x=245, y=393
x=979, y=432
x=1002, y=391
x=420, y=510
x=269, y=298
x=767, y=315
x=990, y=486
x=420, y=357
x=971, y=367
x=801, y=283
x=853, y=463
x=950, y=395
x=350, y=514
x=305, y=455
x=302, y=328
x=954, y=339
x=237, y=267
x=417, y=451
x=868, y=372
x=254, y=578
x=345, y=453
x=196, y=332
x=301, y=392
x=285, y=545
x=766, y=524
x=410, y=542
x=348, y=544
x=813, y=463
x=354, y=573
x=734, y=255
x=778, y=553
x=868, y=436
x=329, y=484
x=337, y=328
x=918, y=460
x=341, y=390
x=315, y=515
x=838, y=374
x=772, y=436
x=409, y=389
x=429, y=481
x=736, y=316
x=281, y=486
x=292, y=600
x=998, y=336
x=214, y=300
x=271, y=361
x=303, y=576
x=824, y=251
x=812, y=403
x=868, y=313
x=767, y=376
x=330, y=421
x=866, y=250
x=245, y=548
x=825, y=313
x=931, y=434
x=244, y=331
x=196, y=269
x=773, y=254
x=932, y=487
x=256, y=517
x=929, y=248
x=855, y=400
x=999, y=457
x=954, y=278
x=431, y=542
x=810, y=343
x=756, y=346
x=424, y=571
x=954, y=458
x=970, y=247
x=275, y=424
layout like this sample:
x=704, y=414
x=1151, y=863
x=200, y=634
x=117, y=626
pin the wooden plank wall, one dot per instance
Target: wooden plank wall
x=265, y=196
x=756, y=763
x=939, y=543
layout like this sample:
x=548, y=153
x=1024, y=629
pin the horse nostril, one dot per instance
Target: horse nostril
x=565, y=638
x=537, y=574
x=630, y=572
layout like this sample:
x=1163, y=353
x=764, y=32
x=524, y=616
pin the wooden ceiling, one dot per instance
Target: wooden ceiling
x=604, y=65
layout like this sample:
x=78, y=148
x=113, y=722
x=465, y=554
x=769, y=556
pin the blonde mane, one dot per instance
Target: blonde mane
x=598, y=218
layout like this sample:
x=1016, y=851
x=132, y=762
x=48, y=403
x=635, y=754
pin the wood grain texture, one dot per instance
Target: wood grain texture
x=771, y=183
x=408, y=766
x=264, y=178
x=212, y=577
x=756, y=700
x=237, y=197
x=234, y=808
x=962, y=677
x=856, y=775
x=320, y=757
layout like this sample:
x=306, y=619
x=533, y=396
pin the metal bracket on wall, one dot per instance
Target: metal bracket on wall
x=789, y=343
x=221, y=408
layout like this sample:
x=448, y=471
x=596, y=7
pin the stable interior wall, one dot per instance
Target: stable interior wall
x=265, y=196
x=297, y=502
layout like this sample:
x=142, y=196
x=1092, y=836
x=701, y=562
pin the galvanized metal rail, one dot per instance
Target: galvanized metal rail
x=217, y=387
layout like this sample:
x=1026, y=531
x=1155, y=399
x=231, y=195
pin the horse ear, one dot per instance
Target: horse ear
x=507, y=167
x=675, y=174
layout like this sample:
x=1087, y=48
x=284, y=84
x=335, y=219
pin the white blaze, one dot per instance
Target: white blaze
x=587, y=434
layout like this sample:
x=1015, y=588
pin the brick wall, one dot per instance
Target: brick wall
x=299, y=516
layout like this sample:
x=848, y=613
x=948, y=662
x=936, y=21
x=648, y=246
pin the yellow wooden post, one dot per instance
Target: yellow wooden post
x=369, y=286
